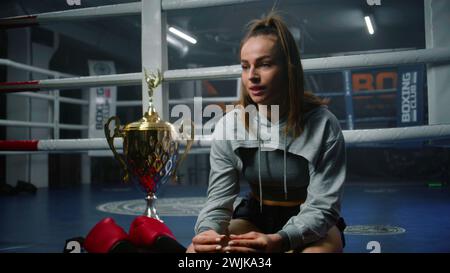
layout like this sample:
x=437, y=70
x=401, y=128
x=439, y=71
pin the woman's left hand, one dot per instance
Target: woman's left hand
x=254, y=242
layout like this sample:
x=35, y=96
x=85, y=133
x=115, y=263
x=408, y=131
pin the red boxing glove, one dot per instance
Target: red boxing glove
x=104, y=237
x=144, y=231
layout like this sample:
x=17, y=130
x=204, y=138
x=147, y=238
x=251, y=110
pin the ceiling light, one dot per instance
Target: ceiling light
x=369, y=24
x=177, y=44
x=183, y=35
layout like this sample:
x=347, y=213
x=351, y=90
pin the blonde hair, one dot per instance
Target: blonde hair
x=296, y=100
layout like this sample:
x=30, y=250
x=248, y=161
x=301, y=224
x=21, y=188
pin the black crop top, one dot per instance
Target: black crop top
x=272, y=179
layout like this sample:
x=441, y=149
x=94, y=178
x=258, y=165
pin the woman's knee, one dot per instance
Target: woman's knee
x=332, y=243
x=241, y=226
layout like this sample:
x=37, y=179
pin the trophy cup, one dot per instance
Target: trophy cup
x=150, y=149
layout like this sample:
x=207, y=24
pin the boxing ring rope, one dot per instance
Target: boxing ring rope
x=434, y=55
x=14, y=147
x=177, y=101
x=30, y=68
x=76, y=14
x=134, y=8
x=352, y=138
x=68, y=83
x=19, y=123
x=55, y=74
x=51, y=98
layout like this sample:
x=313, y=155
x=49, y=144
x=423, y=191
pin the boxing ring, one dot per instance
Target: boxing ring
x=155, y=56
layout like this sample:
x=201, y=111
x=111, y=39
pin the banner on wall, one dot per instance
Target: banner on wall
x=102, y=103
x=374, y=95
x=402, y=107
x=410, y=96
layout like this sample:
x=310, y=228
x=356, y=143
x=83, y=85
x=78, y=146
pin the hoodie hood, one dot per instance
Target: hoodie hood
x=271, y=135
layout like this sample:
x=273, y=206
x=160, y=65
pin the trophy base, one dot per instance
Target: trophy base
x=150, y=210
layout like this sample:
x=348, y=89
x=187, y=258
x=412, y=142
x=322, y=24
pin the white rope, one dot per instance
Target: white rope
x=84, y=13
x=433, y=55
x=20, y=123
x=52, y=98
x=97, y=144
x=217, y=72
x=89, y=81
x=125, y=9
x=352, y=137
x=395, y=135
x=77, y=144
x=188, y=4
x=31, y=68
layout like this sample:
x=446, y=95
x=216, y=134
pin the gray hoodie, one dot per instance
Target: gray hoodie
x=321, y=144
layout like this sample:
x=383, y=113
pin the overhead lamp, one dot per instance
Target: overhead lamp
x=183, y=49
x=183, y=35
x=370, y=23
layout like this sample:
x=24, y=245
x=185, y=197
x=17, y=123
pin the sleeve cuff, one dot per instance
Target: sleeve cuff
x=285, y=242
x=202, y=229
x=294, y=235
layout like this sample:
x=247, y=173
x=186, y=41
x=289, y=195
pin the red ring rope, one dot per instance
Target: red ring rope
x=19, y=145
x=18, y=86
x=19, y=21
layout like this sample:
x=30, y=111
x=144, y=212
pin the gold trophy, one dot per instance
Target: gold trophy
x=150, y=149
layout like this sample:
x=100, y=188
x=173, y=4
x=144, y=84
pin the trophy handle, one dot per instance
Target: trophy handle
x=189, y=143
x=110, y=139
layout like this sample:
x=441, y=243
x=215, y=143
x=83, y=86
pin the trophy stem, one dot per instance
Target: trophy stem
x=150, y=210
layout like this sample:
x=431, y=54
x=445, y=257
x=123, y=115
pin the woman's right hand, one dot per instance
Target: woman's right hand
x=207, y=242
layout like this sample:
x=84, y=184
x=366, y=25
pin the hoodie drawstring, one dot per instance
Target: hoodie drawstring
x=285, y=167
x=259, y=167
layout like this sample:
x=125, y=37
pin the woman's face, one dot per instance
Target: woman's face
x=262, y=71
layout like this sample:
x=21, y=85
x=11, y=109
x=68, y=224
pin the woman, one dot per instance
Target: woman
x=295, y=179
